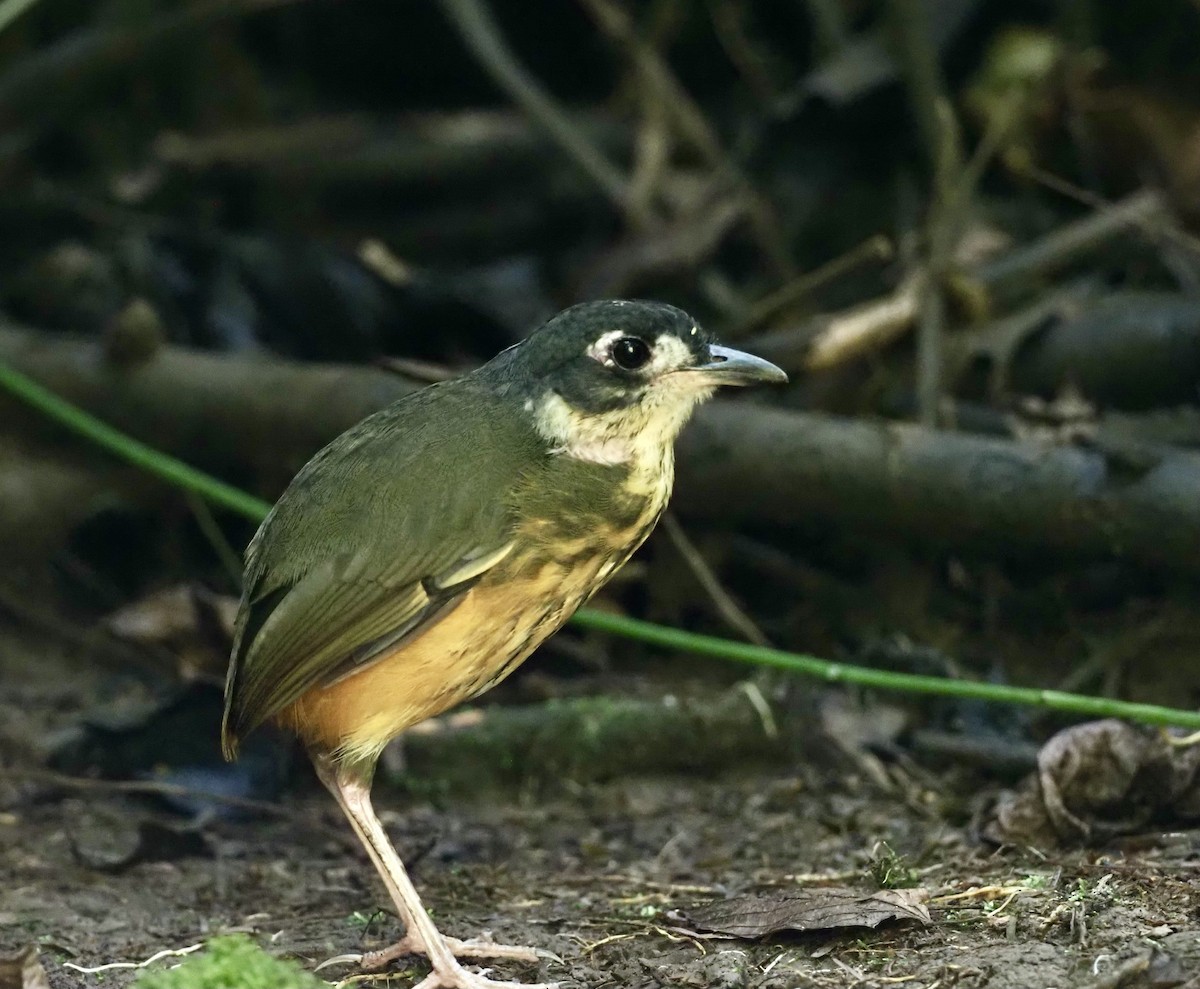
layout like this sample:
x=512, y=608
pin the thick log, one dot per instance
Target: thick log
x=251, y=421
x=952, y=490
x=256, y=422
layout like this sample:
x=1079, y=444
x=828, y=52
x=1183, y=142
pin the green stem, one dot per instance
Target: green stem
x=10, y=10
x=863, y=676
x=134, y=451
x=226, y=496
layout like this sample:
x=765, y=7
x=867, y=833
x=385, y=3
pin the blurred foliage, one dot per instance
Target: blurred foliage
x=231, y=962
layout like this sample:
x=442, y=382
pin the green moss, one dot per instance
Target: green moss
x=231, y=962
x=891, y=870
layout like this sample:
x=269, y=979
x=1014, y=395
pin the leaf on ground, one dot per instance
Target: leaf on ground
x=23, y=971
x=818, y=909
x=193, y=624
x=1095, y=781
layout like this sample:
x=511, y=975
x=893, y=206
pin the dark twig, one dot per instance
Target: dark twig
x=32, y=87
x=10, y=10
x=155, y=788
x=473, y=21
x=1146, y=211
x=876, y=248
x=1156, y=227
x=692, y=124
x=733, y=614
x=939, y=130
x=838, y=337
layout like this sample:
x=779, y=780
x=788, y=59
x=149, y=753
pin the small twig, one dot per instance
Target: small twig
x=875, y=248
x=939, y=129
x=692, y=123
x=727, y=607
x=426, y=372
x=761, y=707
x=728, y=18
x=154, y=788
x=931, y=328
x=830, y=25
x=156, y=957
x=1154, y=227
x=651, y=154
x=230, y=561
x=28, y=86
x=1146, y=211
x=474, y=23
x=839, y=338
x=1182, y=741
x=846, y=335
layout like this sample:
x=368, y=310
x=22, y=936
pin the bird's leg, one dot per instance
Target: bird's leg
x=350, y=785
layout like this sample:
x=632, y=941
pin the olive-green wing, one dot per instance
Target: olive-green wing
x=380, y=536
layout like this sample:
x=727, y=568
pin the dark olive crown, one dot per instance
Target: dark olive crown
x=555, y=356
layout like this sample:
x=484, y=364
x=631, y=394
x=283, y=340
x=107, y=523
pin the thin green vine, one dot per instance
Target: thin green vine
x=226, y=496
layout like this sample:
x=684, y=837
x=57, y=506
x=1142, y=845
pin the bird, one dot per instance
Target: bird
x=420, y=557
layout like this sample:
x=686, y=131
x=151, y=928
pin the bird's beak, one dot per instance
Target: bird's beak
x=735, y=367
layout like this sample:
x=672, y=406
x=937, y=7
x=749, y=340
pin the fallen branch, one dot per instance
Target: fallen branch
x=588, y=739
x=151, y=788
x=270, y=417
x=739, y=462
x=671, y=638
x=469, y=150
x=951, y=490
x=838, y=337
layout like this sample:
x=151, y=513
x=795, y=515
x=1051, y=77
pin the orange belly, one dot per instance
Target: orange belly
x=489, y=633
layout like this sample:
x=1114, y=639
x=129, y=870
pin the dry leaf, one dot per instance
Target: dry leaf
x=819, y=909
x=189, y=621
x=1097, y=780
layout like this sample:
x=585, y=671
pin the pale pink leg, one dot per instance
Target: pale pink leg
x=351, y=787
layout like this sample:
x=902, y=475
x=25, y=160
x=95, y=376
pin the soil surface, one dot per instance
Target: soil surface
x=603, y=875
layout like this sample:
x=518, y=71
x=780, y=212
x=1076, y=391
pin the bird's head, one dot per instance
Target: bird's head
x=611, y=381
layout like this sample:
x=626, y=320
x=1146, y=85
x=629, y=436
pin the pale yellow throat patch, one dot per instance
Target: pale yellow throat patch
x=640, y=435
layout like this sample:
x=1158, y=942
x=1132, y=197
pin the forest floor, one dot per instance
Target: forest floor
x=602, y=875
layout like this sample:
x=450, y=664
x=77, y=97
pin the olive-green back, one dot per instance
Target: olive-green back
x=350, y=555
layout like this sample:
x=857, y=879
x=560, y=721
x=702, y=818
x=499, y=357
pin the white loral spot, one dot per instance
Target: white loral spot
x=601, y=348
x=669, y=353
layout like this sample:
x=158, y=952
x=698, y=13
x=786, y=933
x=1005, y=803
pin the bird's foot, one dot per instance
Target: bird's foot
x=457, y=977
x=375, y=961
x=452, y=976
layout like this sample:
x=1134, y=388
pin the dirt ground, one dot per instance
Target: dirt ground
x=602, y=875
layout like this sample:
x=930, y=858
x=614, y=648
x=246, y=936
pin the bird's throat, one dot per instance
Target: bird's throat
x=638, y=437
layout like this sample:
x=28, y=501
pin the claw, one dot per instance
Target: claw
x=462, y=979
x=347, y=959
x=374, y=961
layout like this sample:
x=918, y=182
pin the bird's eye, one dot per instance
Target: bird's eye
x=630, y=353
